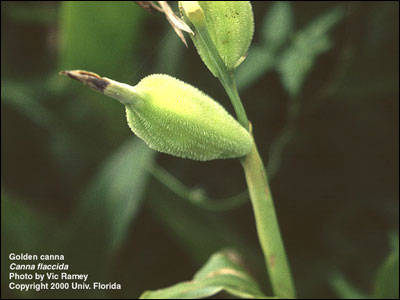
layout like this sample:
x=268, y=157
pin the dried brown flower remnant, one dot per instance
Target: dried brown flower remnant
x=150, y=6
x=177, y=24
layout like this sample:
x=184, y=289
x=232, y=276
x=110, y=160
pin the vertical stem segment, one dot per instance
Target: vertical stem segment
x=261, y=198
x=229, y=85
x=267, y=226
x=225, y=77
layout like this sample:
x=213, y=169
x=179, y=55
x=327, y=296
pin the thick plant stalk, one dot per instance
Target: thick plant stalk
x=267, y=226
x=266, y=220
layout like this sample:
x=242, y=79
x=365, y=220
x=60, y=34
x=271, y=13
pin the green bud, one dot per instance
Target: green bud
x=174, y=117
x=230, y=25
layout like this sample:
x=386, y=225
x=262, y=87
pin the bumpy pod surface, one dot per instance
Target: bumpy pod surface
x=230, y=25
x=176, y=118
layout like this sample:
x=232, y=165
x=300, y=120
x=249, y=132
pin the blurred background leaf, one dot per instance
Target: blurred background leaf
x=20, y=97
x=108, y=208
x=24, y=230
x=258, y=61
x=387, y=279
x=276, y=28
x=99, y=36
x=112, y=201
x=344, y=288
x=278, y=25
x=296, y=60
x=307, y=44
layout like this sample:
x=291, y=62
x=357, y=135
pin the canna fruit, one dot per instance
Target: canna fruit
x=174, y=117
x=230, y=25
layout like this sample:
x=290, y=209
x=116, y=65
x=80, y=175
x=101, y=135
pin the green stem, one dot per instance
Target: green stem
x=195, y=196
x=267, y=226
x=261, y=198
x=231, y=90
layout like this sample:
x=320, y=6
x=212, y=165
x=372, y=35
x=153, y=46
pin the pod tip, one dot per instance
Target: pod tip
x=90, y=79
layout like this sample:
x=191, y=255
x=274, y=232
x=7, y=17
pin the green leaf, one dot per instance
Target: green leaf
x=101, y=224
x=99, y=36
x=27, y=99
x=113, y=199
x=299, y=58
x=103, y=37
x=170, y=54
x=259, y=61
x=293, y=67
x=275, y=31
x=278, y=24
x=344, y=288
x=387, y=279
x=322, y=25
x=24, y=100
x=31, y=13
x=222, y=272
x=24, y=230
x=230, y=25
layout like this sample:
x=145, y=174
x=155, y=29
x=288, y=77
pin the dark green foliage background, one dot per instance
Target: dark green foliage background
x=74, y=179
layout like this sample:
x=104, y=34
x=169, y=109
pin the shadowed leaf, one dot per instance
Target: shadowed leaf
x=99, y=36
x=222, y=272
x=113, y=199
x=278, y=24
x=259, y=61
x=299, y=58
x=344, y=288
x=387, y=280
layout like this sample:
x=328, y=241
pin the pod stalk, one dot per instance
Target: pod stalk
x=122, y=92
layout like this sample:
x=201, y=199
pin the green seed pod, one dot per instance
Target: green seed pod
x=230, y=25
x=174, y=117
